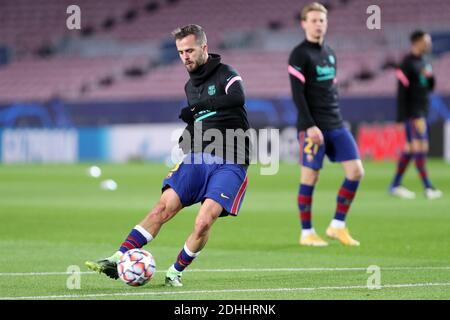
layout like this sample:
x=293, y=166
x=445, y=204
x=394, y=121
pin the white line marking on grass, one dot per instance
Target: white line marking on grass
x=313, y=269
x=155, y=293
x=15, y=274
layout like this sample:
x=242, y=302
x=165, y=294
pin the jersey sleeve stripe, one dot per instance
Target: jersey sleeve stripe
x=402, y=78
x=296, y=73
x=233, y=80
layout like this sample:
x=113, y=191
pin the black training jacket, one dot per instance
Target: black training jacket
x=415, y=82
x=312, y=72
x=216, y=90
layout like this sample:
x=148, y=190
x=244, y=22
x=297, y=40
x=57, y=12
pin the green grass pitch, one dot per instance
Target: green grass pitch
x=55, y=216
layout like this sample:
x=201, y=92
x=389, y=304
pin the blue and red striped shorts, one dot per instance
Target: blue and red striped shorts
x=205, y=176
x=416, y=129
x=339, y=145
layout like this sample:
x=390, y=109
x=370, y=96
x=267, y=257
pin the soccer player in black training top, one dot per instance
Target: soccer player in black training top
x=415, y=82
x=214, y=171
x=312, y=69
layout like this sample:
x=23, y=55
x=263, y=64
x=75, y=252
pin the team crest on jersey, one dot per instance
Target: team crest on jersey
x=212, y=90
x=332, y=59
x=423, y=80
x=177, y=166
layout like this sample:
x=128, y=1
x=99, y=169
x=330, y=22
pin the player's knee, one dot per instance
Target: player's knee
x=159, y=213
x=315, y=178
x=310, y=181
x=361, y=173
x=311, y=178
x=419, y=148
x=416, y=146
x=407, y=148
x=356, y=174
x=424, y=148
x=202, y=226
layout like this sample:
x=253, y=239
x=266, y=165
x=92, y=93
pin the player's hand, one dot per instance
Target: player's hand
x=187, y=114
x=315, y=134
x=190, y=113
x=427, y=73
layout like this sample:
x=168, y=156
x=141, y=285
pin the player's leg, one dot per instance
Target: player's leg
x=208, y=214
x=308, y=180
x=402, y=165
x=343, y=149
x=181, y=188
x=311, y=159
x=353, y=174
x=396, y=189
x=224, y=194
x=420, y=148
x=166, y=208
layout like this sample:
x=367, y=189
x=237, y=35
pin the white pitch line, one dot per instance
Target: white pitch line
x=315, y=269
x=153, y=293
x=15, y=274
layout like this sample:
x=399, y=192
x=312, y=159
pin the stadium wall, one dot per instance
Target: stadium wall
x=147, y=130
x=277, y=112
x=158, y=142
x=119, y=143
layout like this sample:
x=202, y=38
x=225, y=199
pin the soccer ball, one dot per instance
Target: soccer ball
x=136, y=267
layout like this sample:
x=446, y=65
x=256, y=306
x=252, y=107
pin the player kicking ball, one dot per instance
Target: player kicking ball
x=312, y=69
x=216, y=101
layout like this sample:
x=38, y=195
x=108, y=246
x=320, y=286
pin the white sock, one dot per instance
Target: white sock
x=307, y=232
x=172, y=269
x=338, y=224
x=189, y=252
x=145, y=233
x=116, y=256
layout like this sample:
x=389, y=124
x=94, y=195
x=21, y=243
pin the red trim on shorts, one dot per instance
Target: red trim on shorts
x=238, y=198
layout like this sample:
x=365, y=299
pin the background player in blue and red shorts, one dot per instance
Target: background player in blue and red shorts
x=216, y=179
x=415, y=82
x=312, y=69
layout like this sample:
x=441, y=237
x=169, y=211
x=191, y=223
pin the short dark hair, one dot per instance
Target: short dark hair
x=194, y=29
x=417, y=35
